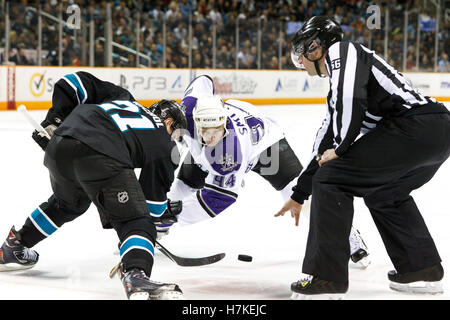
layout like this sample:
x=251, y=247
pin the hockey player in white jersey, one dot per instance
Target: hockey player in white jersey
x=227, y=140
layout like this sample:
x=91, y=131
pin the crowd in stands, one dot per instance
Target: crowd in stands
x=275, y=18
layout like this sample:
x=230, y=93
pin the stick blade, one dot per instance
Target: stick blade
x=190, y=262
x=203, y=261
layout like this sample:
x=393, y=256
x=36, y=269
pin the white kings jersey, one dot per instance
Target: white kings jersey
x=250, y=133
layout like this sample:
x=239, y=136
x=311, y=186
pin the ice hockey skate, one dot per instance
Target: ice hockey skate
x=359, y=251
x=14, y=255
x=138, y=286
x=361, y=258
x=427, y=280
x=311, y=288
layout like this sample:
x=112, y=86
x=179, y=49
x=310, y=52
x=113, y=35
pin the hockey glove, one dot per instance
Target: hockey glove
x=174, y=207
x=40, y=137
x=168, y=218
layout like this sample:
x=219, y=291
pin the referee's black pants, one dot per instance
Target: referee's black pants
x=383, y=167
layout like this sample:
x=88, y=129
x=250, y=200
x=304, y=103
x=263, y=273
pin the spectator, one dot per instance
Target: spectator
x=173, y=11
x=199, y=60
x=274, y=63
x=215, y=15
x=67, y=51
x=181, y=31
x=223, y=57
x=155, y=55
x=99, y=55
x=425, y=64
x=207, y=64
x=253, y=63
x=127, y=37
x=444, y=64
x=19, y=57
x=156, y=13
x=131, y=60
x=116, y=60
x=184, y=63
x=244, y=55
x=410, y=62
x=351, y=13
x=13, y=39
x=185, y=8
x=147, y=29
x=338, y=15
x=199, y=16
x=51, y=58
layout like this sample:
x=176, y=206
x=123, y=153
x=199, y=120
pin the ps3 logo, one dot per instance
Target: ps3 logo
x=146, y=83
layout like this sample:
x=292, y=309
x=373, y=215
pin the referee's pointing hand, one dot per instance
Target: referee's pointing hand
x=292, y=206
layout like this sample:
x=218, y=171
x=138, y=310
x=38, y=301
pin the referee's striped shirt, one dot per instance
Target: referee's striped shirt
x=363, y=90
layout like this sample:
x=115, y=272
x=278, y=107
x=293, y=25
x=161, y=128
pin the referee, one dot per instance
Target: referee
x=381, y=139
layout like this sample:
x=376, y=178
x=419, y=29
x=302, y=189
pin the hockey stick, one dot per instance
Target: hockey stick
x=22, y=109
x=181, y=261
x=190, y=262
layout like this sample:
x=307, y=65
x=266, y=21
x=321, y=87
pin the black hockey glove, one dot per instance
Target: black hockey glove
x=168, y=218
x=170, y=215
x=174, y=207
x=40, y=137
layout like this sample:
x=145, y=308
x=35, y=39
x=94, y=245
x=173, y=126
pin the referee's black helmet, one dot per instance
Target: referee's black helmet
x=318, y=31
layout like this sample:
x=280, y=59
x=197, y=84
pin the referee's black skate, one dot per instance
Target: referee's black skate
x=309, y=287
x=14, y=255
x=427, y=280
x=138, y=286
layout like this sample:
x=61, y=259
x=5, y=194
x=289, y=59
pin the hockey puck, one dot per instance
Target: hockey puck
x=244, y=257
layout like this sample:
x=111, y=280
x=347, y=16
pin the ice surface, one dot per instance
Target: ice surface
x=75, y=261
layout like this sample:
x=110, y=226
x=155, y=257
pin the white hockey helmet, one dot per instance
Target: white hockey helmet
x=209, y=112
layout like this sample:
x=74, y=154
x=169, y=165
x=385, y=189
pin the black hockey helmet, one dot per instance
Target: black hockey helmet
x=319, y=31
x=170, y=109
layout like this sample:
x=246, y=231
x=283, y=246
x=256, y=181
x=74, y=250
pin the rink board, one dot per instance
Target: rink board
x=33, y=86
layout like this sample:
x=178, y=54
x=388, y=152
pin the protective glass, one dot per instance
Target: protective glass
x=301, y=51
x=295, y=57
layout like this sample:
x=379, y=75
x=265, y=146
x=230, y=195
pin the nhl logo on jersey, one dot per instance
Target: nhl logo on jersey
x=122, y=197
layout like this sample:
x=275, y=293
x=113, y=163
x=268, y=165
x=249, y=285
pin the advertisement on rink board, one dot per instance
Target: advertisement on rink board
x=33, y=86
x=3, y=87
